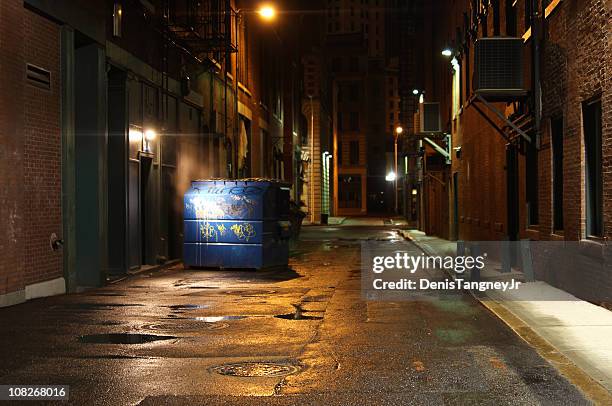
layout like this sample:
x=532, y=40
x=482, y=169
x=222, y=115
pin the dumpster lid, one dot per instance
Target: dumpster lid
x=262, y=180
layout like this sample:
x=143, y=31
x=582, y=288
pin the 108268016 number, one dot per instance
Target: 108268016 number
x=34, y=392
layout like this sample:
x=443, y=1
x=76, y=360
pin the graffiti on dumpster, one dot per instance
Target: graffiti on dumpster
x=208, y=232
x=233, y=207
x=243, y=231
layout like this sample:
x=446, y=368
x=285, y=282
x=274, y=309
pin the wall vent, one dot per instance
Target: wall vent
x=38, y=77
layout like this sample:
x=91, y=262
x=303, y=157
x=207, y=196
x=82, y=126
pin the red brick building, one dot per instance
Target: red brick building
x=31, y=162
x=559, y=187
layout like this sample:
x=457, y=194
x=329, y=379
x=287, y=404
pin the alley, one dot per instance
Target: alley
x=298, y=336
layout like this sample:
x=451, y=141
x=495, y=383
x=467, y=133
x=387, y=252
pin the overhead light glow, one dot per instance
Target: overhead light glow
x=390, y=177
x=399, y=130
x=415, y=91
x=267, y=12
x=447, y=52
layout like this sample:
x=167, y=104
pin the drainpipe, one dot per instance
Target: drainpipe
x=537, y=88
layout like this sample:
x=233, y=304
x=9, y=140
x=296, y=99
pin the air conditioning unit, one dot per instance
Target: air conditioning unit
x=427, y=119
x=498, y=68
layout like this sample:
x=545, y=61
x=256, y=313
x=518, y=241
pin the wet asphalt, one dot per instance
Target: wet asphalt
x=297, y=336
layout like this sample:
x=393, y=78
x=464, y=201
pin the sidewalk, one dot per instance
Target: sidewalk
x=572, y=328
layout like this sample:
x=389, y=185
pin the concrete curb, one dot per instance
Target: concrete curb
x=576, y=375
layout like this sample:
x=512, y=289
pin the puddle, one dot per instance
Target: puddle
x=255, y=369
x=216, y=319
x=296, y=316
x=188, y=307
x=122, y=338
x=95, y=306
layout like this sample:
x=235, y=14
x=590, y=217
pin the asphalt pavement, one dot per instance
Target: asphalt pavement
x=298, y=336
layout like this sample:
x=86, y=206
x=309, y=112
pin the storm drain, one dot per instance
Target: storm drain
x=255, y=369
x=122, y=338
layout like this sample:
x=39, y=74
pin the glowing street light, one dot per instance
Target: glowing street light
x=390, y=177
x=447, y=52
x=267, y=12
x=399, y=130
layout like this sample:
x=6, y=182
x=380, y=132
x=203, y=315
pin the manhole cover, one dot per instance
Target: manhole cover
x=185, y=325
x=293, y=316
x=253, y=369
x=122, y=338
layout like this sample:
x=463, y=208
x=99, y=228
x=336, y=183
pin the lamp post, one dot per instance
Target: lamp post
x=398, y=131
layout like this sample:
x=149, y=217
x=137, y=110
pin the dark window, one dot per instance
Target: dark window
x=510, y=19
x=528, y=11
x=349, y=193
x=496, y=30
x=485, y=26
x=354, y=121
x=531, y=183
x=354, y=153
x=340, y=153
x=591, y=118
x=340, y=121
x=354, y=92
x=557, y=151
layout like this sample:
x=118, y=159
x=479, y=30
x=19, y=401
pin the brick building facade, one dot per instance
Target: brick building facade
x=108, y=115
x=31, y=154
x=561, y=184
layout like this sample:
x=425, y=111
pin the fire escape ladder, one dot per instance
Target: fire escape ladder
x=512, y=131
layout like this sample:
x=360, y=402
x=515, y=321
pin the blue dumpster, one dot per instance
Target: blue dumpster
x=237, y=224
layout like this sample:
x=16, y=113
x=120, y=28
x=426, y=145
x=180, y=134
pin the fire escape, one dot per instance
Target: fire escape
x=202, y=32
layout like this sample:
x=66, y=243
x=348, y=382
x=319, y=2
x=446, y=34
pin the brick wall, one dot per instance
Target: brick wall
x=11, y=146
x=42, y=153
x=576, y=67
x=30, y=148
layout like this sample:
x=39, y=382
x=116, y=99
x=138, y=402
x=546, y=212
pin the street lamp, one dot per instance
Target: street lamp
x=398, y=131
x=267, y=12
x=447, y=52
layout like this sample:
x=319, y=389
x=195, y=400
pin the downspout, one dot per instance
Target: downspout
x=537, y=88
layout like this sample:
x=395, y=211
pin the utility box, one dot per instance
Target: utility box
x=237, y=224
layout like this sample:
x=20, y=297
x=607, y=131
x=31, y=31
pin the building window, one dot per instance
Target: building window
x=556, y=126
x=354, y=153
x=354, y=91
x=591, y=118
x=354, y=121
x=531, y=184
x=496, y=31
x=528, y=12
x=340, y=120
x=339, y=153
x=510, y=19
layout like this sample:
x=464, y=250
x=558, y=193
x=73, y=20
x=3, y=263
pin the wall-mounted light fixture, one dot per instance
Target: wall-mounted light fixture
x=447, y=52
x=149, y=137
x=390, y=177
x=117, y=16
